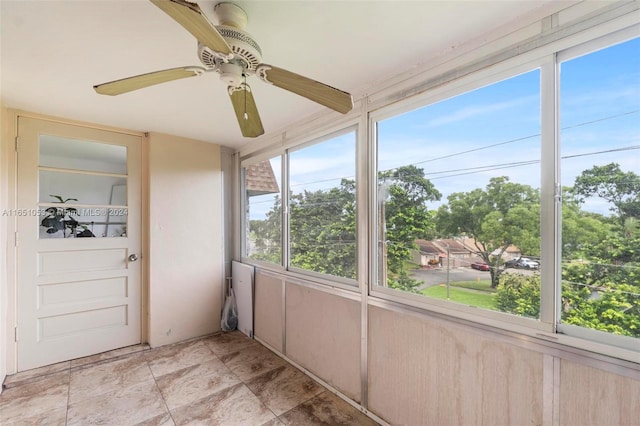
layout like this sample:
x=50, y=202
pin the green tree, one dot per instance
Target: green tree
x=504, y=213
x=323, y=230
x=600, y=275
x=603, y=293
x=579, y=228
x=404, y=193
x=266, y=235
x=602, y=290
x=609, y=182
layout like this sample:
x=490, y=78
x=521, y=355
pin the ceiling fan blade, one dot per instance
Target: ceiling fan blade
x=190, y=16
x=128, y=84
x=314, y=90
x=246, y=111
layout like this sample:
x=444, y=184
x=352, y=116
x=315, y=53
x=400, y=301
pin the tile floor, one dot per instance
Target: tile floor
x=224, y=379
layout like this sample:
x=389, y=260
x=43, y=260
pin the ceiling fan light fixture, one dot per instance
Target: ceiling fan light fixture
x=231, y=74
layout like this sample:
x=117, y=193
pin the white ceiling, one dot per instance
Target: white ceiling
x=53, y=52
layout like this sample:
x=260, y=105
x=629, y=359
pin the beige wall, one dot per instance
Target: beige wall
x=319, y=331
x=323, y=335
x=589, y=396
x=268, y=315
x=424, y=371
x=427, y=370
x=185, y=239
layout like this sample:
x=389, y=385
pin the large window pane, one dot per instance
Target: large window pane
x=322, y=207
x=600, y=137
x=263, y=230
x=458, y=196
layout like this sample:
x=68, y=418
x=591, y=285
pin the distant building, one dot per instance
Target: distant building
x=435, y=252
x=463, y=252
x=512, y=252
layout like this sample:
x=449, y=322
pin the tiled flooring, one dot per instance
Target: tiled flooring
x=224, y=379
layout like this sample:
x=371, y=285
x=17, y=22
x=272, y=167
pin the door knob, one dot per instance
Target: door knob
x=133, y=257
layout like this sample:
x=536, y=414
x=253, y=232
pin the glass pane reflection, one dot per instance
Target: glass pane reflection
x=86, y=194
x=74, y=154
x=80, y=188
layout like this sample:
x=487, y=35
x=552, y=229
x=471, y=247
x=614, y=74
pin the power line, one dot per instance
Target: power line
x=500, y=166
x=518, y=139
x=479, y=169
x=635, y=111
x=601, y=288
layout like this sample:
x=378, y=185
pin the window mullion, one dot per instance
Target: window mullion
x=549, y=194
x=286, y=261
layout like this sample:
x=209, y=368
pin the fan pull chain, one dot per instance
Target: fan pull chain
x=246, y=116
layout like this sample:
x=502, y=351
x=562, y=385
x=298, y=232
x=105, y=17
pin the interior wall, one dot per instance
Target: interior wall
x=185, y=241
x=431, y=371
x=423, y=369
x=268, y=313
x=589, y=396
x=323, y=334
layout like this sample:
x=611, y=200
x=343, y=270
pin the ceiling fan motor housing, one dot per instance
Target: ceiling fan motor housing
x=232, y=21
x=244, y=47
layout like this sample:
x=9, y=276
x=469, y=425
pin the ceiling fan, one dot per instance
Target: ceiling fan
x=230, y=51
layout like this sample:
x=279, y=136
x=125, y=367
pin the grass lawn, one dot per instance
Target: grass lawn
x=409, y=265
x=480, y=299
x=482, y=285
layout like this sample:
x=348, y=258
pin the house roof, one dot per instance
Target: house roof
x=260, y=179
x=427, y=247
x=470, y=244
x=440, y=247
x=453, y=246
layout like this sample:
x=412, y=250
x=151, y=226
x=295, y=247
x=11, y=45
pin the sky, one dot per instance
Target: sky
x=493, y=131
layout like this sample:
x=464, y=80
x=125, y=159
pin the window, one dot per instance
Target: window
x=459, y=203
x=263, y=215
x=515, y=189
x=600, y=139
x=322, y=211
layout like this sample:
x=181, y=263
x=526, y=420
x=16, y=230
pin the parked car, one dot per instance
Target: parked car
x=513, y=263
x=526, y=263
x=480, y=266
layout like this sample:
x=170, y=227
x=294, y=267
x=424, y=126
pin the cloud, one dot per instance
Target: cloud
x=477, y=110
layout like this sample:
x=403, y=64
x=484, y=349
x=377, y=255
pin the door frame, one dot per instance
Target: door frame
x=8, y=146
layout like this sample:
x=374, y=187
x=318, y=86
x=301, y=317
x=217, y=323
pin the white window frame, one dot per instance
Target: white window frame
x=419, y=90
x=548, y=326
x=285, y=266
x=464, y=85
x=243, y=207
x=583, y=333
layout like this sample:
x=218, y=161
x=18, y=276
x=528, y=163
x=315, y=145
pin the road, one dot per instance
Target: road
x=437, y=276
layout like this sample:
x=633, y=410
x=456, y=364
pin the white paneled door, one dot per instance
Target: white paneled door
x=78, y=242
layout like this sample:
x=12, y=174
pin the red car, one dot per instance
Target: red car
x=480, y=266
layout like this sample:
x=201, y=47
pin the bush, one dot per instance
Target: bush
x=519, y=295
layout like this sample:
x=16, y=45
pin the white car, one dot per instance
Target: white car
x=526, y=263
